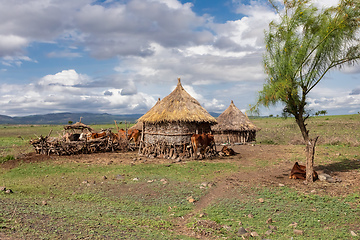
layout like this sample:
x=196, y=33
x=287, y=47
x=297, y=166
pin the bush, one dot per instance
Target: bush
x=7, y=158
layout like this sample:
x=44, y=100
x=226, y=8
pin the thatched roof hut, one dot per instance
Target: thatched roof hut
x=139, y=125
x=234, y=127
x=78, y=126
x=175, y=118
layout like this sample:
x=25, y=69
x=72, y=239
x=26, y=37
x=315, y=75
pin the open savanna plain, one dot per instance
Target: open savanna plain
x=120, y=195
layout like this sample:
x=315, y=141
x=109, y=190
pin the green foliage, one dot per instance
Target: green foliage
x=303, y=46
x=6, y=158
x=322, y=112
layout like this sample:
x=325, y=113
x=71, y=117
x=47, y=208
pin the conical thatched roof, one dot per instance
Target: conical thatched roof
x=139, y=125
x=232, y=119
x=178, y=106
x=78, y=125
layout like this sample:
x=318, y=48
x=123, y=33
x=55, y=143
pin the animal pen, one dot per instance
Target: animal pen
x=168, y=126
x=234, y=127
x=63, y=145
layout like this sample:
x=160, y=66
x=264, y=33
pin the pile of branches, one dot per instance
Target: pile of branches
x=162, y=149
x=61, y=146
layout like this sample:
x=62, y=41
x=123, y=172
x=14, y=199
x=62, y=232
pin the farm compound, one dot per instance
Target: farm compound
x=234, y=127
x=168, y=126
x=72, y=142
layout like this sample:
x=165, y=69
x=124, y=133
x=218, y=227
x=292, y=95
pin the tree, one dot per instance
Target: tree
x=324, y=112
x=301, y=47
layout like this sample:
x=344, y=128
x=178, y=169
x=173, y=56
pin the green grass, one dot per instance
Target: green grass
x=77, y=194
x=14, y=139
x=82, y=204
x=333, y=130
x=319, y=217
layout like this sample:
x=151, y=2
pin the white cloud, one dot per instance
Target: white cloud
x=129, y=30
x=67, y=91
x=15, y=60
x=334, y=100
x=64, y=78
x=10, y=44
x=153, y=41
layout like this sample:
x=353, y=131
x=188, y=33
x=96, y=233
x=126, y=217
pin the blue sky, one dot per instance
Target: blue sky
x=120, y=56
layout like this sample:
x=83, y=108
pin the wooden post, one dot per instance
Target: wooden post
x=142, y=136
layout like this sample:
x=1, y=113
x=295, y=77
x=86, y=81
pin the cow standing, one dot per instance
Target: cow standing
x=134, y=134
x=202, y=141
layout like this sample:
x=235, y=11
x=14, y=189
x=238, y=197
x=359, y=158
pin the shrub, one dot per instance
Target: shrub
x=7, y=158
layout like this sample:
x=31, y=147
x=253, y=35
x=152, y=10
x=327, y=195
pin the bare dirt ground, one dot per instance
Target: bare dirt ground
x=275, y=174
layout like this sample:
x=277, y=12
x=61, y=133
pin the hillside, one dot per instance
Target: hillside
x=64, y=118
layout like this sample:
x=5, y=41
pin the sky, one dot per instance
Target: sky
x=120, y=56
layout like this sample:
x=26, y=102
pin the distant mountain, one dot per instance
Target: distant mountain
x=64, y=118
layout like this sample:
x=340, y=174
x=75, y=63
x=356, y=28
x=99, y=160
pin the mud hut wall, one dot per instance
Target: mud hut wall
x=173, y=133
x=234, y=136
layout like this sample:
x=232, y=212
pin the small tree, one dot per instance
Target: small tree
x=324, y=112
x=301, y=47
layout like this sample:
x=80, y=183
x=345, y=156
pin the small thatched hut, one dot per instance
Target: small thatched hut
x=78, y=126
x=234, y=127
x=173, y=120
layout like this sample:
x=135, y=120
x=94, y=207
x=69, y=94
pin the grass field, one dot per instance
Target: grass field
x=110, y=198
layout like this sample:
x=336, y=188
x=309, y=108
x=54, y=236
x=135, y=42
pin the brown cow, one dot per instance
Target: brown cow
x=228, y=151
x=299, y=172
x=121, y=134
x=96, y=135
x=202, y=141
x=134, y=134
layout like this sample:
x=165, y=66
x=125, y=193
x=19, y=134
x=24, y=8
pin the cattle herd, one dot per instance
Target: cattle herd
x=132, y=135
x=87, y=142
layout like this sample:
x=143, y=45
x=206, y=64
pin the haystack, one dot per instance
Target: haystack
x=173, y=120
x=234, y=127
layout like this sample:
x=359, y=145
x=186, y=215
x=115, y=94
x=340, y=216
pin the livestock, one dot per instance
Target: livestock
x=299, y=172
x=228, y=151
x=74, y=137
x=83, y=136
x=96, y=135
x=71, y=136
x=202, y=141
x=121, y=134
x=134, y=134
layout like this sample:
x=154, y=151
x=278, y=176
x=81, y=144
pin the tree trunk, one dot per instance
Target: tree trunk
x=310, y=153
x=310, y=148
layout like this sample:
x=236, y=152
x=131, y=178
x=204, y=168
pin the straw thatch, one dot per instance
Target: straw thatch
x=137, y=126
x=234, y=127
x=178, y=106
x=78, y=125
